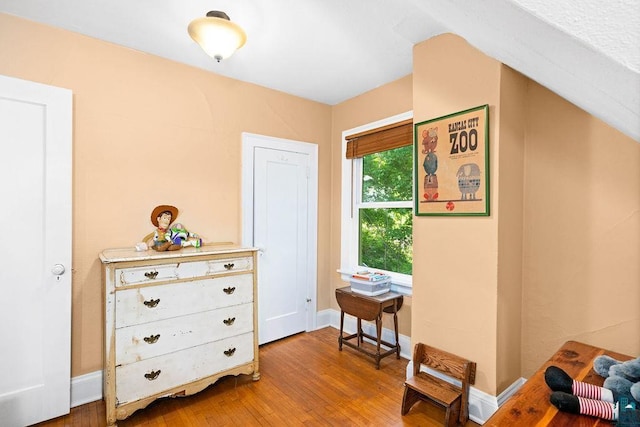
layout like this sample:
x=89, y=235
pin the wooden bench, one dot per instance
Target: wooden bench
x=530, y=405
x=424, y=386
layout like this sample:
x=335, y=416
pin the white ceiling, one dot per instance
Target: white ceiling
x=587, y=51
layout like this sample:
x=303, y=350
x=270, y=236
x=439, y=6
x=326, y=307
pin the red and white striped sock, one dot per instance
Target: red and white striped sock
x=591, y=391
x=598, y=408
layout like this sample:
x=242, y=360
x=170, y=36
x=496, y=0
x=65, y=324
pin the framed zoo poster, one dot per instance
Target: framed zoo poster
x=451, y=156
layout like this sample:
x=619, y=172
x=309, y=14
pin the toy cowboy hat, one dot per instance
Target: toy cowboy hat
x=157, y=211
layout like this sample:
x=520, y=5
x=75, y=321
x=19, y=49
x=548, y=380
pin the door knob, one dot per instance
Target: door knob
x=58, y=269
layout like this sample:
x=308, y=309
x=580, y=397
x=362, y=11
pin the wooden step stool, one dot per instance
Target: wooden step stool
x=424, y=386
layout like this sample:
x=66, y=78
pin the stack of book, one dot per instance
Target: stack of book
x=370, y=276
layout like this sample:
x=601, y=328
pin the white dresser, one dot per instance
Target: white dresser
x=176, y=322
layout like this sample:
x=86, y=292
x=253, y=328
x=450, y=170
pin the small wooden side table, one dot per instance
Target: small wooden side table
x=369, y=308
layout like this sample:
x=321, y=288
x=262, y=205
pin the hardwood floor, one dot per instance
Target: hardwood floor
x=305, y=380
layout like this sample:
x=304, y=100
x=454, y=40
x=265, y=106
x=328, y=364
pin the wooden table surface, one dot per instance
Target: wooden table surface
x=530, y=406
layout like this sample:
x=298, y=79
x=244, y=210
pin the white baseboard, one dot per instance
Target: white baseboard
x=324, y=318
x=511, y=390
x=484, y=405
x=86, y=388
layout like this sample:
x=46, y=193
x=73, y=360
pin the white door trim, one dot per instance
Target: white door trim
x=251, y=141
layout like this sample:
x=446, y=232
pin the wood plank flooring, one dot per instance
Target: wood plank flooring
x=305, y=381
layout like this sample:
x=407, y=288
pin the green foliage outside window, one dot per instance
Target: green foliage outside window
x=386, y=232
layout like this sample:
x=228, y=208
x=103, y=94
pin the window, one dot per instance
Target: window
x=377, y=194
x=385, y=210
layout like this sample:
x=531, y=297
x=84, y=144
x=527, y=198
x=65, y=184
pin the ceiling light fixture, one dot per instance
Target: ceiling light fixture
x=217, y=35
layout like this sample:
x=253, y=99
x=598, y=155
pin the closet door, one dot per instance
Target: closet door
x=280, y=230
x=280, y=205
x=35, y=257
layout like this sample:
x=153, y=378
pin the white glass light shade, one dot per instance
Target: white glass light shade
x=217, y=35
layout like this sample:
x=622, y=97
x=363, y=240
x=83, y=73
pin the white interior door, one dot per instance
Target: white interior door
x=35, y=278
x=284, y=190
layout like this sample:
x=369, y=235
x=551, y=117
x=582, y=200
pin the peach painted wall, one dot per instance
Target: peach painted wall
x=149, y=131
x=386, y=101
x=557, y=259
x=511, y=126
x=455, y=259
x=582, y=232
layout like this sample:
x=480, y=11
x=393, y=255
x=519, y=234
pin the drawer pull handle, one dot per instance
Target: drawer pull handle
x=230, y=352
x=229, y=321
x=229, y=290
x=151, y=274
x=151, y=339
x=152, y=375
x=229, y=266
x=152, y=303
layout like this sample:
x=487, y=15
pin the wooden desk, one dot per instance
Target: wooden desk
x=530, y=406
x=369, y=308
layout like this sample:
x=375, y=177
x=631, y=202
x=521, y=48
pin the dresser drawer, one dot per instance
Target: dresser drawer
x=147, y=274
x=155, y=375
x=183, y=270
x=230, y=264
x=148, y=304
x=139, y=342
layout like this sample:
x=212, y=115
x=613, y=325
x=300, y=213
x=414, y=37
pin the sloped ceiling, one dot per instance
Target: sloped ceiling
x=586, y=51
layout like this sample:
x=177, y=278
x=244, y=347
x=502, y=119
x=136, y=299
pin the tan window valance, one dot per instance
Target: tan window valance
x=384, y=138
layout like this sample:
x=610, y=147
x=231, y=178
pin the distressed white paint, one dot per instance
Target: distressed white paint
x=181, y=367
x=178, y=299
x=199, y=323
x=148, y=340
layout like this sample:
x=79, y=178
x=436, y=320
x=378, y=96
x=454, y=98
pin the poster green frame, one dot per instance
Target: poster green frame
x=467, y=152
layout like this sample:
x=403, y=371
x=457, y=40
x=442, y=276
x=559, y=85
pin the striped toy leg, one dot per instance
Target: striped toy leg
x=559, y=380
x=579, y=405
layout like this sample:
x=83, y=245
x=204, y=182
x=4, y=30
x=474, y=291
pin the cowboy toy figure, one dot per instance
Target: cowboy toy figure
x=168, y=237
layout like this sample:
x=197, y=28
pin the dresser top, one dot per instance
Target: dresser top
x=130, y=254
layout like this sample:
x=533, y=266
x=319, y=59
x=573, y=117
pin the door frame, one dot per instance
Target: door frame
x=250, y=142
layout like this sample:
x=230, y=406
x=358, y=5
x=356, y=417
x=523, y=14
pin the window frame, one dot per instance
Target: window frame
x=350, y=196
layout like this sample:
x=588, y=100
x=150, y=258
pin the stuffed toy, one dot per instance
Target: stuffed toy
x=620, y=377
x=618, y=400
x=169, y=236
